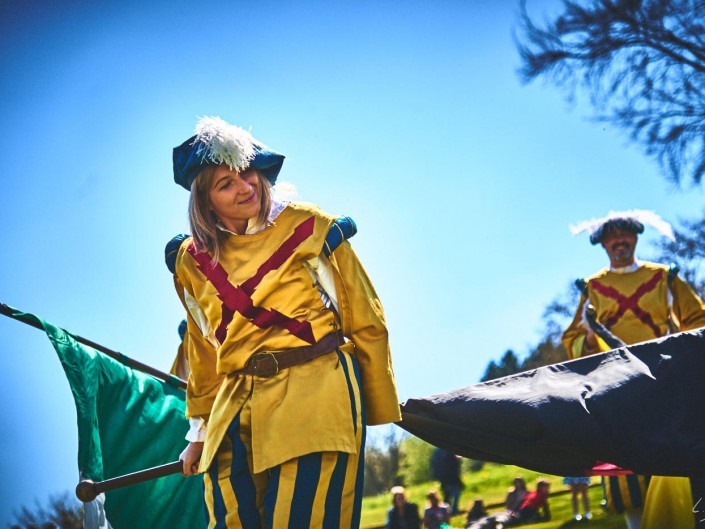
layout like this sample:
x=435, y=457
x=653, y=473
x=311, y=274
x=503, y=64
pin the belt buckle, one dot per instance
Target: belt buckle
x=264, y=364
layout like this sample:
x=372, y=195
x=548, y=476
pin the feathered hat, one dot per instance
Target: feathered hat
x=632, y=220
x=218, y=142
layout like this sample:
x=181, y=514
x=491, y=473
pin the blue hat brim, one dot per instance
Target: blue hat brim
x=269, y=163
x=626, y=224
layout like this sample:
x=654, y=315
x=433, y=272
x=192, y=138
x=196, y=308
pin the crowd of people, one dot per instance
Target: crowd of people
x=405, y=514
x=521, y=506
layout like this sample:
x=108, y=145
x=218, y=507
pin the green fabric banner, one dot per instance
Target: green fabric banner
x=128, y=421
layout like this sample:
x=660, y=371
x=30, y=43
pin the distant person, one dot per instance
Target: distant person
x=476, y=511
x=535, y=501
x=533, y=508
x=637, y=301
x=437, y=513
x=445, y=467
x=403, y=514
x=579, y=491
x=512, y=502
x=516, y=494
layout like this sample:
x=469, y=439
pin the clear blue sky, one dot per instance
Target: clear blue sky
x=408, y=116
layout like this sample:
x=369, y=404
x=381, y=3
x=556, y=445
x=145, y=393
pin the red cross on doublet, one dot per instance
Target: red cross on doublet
x=625, y=303
x=239, y=298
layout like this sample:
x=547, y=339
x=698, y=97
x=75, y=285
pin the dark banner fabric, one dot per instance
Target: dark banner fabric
x=640, y=407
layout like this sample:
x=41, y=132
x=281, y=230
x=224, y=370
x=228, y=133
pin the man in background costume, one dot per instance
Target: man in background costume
x=637, y=301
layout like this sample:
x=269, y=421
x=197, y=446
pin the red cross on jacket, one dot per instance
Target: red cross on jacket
x=239, y=298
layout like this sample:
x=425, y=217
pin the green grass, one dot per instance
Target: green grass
x=491, y=484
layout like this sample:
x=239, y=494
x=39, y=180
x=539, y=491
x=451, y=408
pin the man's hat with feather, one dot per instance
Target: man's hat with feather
x=218, y=142
x=633, y=221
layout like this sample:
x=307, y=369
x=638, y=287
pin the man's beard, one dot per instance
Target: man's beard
x=622, y=252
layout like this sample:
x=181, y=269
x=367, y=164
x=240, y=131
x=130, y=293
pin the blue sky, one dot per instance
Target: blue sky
x=409, y=117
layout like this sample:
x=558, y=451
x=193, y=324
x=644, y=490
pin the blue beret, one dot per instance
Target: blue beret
x=218, y=142
x=190, y=159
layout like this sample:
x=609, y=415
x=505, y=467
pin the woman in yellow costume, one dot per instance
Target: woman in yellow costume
x=287, y=343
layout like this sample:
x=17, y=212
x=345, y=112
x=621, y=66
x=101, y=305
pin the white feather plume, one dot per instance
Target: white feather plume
x=225, y=143
x=648, y=218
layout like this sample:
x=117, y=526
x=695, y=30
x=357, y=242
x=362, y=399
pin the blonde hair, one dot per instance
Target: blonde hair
x=204, y=223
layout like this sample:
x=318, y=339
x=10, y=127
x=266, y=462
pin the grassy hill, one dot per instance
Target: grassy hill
x=491, y=484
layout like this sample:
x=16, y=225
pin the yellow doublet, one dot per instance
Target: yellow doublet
x=635, y=307
x=305, y=408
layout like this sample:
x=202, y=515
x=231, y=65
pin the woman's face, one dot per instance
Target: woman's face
x=235, y=197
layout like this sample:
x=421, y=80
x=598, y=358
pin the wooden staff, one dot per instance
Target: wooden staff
x=87, y=490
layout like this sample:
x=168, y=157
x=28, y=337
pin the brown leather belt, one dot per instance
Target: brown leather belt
x=268, y=363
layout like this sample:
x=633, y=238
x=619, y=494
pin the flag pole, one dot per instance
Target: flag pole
x=87, y=490
x=8, y=311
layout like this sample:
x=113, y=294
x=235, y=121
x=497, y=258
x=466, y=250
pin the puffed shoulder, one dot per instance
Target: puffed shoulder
x=342, y=229
x=307, y=208
x=172, y=250
x=581, y=285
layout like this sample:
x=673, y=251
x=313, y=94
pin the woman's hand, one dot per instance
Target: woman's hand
x=190, y=457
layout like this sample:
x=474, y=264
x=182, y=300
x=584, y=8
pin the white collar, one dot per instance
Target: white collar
x=627, y=269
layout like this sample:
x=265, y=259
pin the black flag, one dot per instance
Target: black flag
x=640, y=407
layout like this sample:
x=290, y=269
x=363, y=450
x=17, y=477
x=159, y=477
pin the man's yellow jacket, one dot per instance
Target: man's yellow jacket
x=636, y=306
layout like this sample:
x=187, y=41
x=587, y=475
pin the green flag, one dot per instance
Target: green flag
x=128, y=421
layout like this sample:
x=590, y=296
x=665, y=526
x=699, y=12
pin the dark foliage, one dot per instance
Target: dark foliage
x=643, y=64
x=63, y=512
x=687, y=251
x=507, y=366
x=382, y=464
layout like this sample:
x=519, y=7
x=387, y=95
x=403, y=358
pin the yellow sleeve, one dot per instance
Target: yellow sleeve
x=180, y=366
x=203, y=381
x=688, y=308
x=574, y=336
x=362, y=320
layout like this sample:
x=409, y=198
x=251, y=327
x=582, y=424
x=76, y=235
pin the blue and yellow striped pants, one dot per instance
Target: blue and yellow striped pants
x=625, y=492
x=319, y=490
